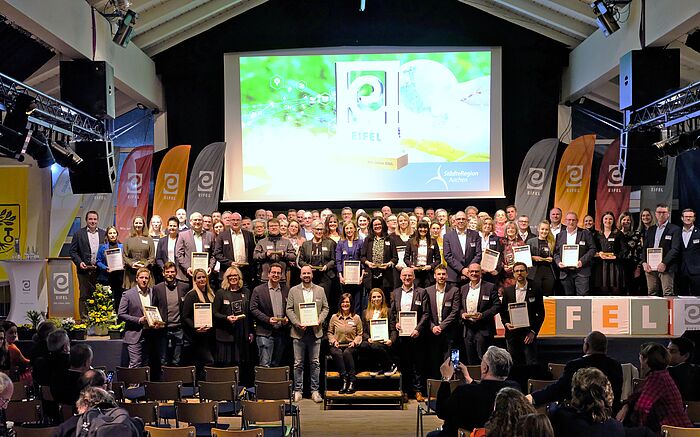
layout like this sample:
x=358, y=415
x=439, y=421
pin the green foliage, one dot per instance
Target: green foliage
x=100, y=307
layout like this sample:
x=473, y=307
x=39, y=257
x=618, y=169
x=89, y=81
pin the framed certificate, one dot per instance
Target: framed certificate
x=351, y=272
x=489, y=260
x=655, y=256
x=202, y=315
x=569, y=255
x=200, y=260
x=152, y=315
x=519, y=317
x=522, y=254
x=115, y=261
x=308, y=314
x=408, y=320
x=379, y=329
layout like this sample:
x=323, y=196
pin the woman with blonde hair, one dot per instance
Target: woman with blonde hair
x=139, y=251
x=155, y=228
x=542, y=251
x=198, y=341
x=232, y=322
x=379, y=351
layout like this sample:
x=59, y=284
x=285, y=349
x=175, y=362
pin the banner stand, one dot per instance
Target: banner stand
x=27, y=287
x=63, y=290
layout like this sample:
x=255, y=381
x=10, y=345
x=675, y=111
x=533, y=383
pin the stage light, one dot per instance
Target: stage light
x=125, y=28
x=605, y=17
x=122, y=5
x=64, y=155
x=680, y=143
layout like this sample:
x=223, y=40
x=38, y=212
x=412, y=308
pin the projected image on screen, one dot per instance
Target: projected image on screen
x=357, y=126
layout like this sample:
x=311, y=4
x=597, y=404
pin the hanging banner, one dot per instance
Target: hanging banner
x=65, y=207
x=62, y=287
x=688, y=188
x=574, y=176
x=611, y=194
x=134, y=183
x=27, y=288
x=205, y=179
x=13, y=211
x=169, y=193
x=535, y=180
x=652, y=195
x=103, y=203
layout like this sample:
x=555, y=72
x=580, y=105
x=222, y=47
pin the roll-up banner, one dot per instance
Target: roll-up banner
x=574, y=176
x=611, y=194
x=134, y=183
x=205, y=179
x=169, y=192
x=535, y=180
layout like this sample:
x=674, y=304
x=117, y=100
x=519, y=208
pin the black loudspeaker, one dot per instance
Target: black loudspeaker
x=647, y=75
x=644, y=165
x=98, y=172
x=89, y=86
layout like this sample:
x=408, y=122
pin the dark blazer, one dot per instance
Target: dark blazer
x=489, y=305
x=131, y=311
x=389, y=256
x=586, y=252
x=535, y=308
x=184, y=248
x=529, y=235
x=534, y=244
x=455, y=257
x=160, y=300
x=494, y=244
x=223, y=252
x=223, y=329
x=420, y=305
x=327, y=255
x=690, y=255
x=561, y=389
x=671, y=242
x=687, y=378
x=449, y=310
x=570, y=422
x=393, y=333
x=261, y=309
x=80, y=246
x=162, y=251
x=432, y=258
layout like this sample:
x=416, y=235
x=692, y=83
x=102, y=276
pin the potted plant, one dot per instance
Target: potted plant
x=27, y=331
x=116, y=331
x=100, y=310
x=76, y=331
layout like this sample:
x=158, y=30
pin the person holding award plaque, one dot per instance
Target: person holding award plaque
x=522, y=313
x=573, y=252
x=379, y=256
x=491, y=247
x=609, y=278
x=110, y=264
x=379, y=333
x=508, y=242
x=234, y=247
x=319, y=254
x=462, y=247
x=423, y=255
x=233, y=324
x=139, y=251
x=542, y=251
x=344, y=338
x=347, y=261
x=194, y=249
x=137, y=337
x=478, y=308
x=662, y=247
x=197, y=322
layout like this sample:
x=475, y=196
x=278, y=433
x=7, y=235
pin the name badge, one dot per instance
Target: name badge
x=696, y=241
x=582, y=243
x=611, y=239
x=668, y=237
x=447, y=304
x=472, y=244
x=532, y=299
x=226, y=243
x=324, y=249
x=144, y=241
x=484, y=298
x=270, y=247
x=226, y=302
x=492, y=243
x=387, y=243
x=419, y=303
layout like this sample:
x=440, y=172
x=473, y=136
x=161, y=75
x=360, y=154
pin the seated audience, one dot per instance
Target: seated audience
x=684, y=373
x=64, y=387
x=534, y=425
x=56, y=361
x=40, y=347
x=4, y=353
x=509, y=406
x=19, y=364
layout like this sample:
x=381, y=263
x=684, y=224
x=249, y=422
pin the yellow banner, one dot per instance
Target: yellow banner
x=574, y=177
x=13, y=212
x=169, y=193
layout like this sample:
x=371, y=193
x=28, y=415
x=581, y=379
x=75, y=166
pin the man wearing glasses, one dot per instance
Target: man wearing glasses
x=479, y=306
x=461, y=247
x=575, y=279
x=520, y=337
x=319, y=254
x=666, y=236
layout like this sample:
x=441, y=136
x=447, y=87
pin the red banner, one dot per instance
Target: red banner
x=611, y=194
x=134, y=186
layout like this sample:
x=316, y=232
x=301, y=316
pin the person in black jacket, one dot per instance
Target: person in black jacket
x=83, y=251
x=168, y=296
x=685, y=374
x=667, y=237
x=479, y=304
x=595, y=348
x=232, y=322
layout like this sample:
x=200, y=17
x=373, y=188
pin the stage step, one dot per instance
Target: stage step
x=363, y=397
x=364, y=375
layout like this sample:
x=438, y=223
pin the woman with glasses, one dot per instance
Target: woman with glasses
x=198, y=339
x=423, y=255
x=379, y=257
x=500, y=219
x=106, y=276
x=348, y=249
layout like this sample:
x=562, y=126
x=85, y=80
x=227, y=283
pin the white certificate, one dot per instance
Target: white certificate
x=655, y=256
x=519, y=317
x=401, y=253
x=308, y=314
x=522, y=254
x=200, y=260
x=489, y=260
x=379, y=329
x=408, y=320
x=202, y=315
x=115, y=261
x=569, y=255
x=351, y=272
x=152, y=315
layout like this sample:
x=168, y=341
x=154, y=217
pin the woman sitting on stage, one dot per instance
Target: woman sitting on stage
x=377, y=308
x=344, y=337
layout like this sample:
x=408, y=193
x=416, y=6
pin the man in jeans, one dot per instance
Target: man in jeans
x=306, y=339
x=167, y=296
x=268, y=304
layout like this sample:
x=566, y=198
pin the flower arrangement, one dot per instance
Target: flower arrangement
x=35, y=317
x=69, y=325
x=99, y=307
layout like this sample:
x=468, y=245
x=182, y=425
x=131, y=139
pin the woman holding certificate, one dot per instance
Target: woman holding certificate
x=609, y=242
x=344, y=337
x=378, y=255
x=347, y=261
x=139, y=251
x=232, y=322
x=542, y=250
x=400, y=239
x=492, y=242
x=378, y=333
x=110, y=264
x=631, y=255
x=197, y=322
x=423, y=254
x=511, y=239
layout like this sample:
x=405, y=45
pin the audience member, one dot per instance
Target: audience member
x=510, y=406
x=534, y=425
x=65, y=386
x=685, y=374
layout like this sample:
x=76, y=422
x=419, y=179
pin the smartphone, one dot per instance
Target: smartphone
x=110, y=376
x=454, y=357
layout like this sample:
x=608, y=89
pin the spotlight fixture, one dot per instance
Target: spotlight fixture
x=605, y=16
x=680, y=143
x=121, y=5
x=125, y=28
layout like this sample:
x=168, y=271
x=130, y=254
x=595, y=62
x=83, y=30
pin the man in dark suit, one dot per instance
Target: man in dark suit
x=136, y=336
x=195, y=239
x=83, y=251
x=267, y=306
x=667, y=236
x=690, y=255
x=685, y=374
x=168, y=296
x=444, y=310
x=575, y=280
x=521, y=341
x=479, y=304
x=595, y=348
x=524, y=231
x=234, y=247
x=461, y=247
x=411, y=346
x=274, y=248
x=166, y=250
x=319, y=253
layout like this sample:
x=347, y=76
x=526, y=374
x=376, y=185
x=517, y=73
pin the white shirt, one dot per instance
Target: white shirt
x=439, y=299
x=659, y=232
x=484, y=241
x=571, y=238
x=145, y=298
x=462, y=240
x=376, y=314
x=171, y=249
x=555, y=229
x=406, y=299
x=686, y=235
x=94, y=240
x=197, y=241
x=523, y=235
x=473, y=298
x=308, y=294
x=520, y=292
x=238, y=247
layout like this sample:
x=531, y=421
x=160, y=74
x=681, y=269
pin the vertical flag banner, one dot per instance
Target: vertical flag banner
x=13, y=211
x=205, y=179
x=611, y=194
x=574, y=176
x=134, y=183
x=535, y=180
x=65, y=207
x=103, y=203
x=652, y=195
x=169, y=193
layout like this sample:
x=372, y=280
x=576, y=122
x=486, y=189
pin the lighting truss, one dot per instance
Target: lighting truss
x=676, y=108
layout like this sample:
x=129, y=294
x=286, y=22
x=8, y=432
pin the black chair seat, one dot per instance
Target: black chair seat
x=204, y=429
x=135, y=393
x=166, y=412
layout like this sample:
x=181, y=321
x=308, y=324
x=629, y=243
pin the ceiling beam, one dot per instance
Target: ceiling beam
x=575, y=9
x=163, y=13
x=548, y=17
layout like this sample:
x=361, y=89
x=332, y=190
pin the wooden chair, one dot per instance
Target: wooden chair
x=184, y=374
x=21, y=391
x=221, y=374
x=152, y=431
x=66, y=411
x=164, y=392
x=203, y=416
x=280, y=391
x=46, y=431
x=255, y=432
x=537, y=384
x=254, y=413
x=24, y=411
x=225, y=393
x=693, y=410
x=556, y=370
x=674, y=431
x=136, y=376
x=271, y=374
x=147, y=411
x=429, y=409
